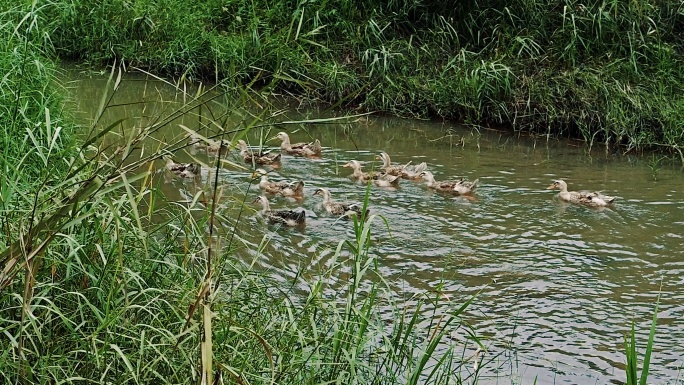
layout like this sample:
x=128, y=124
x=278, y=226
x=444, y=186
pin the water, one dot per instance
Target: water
x=557, y=285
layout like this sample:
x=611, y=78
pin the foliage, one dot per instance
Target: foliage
x=104, y=280
x=631, y=353
x=31, y=136
x=605, y=71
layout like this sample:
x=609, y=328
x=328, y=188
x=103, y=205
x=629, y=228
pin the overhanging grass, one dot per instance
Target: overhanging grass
x=104, y=280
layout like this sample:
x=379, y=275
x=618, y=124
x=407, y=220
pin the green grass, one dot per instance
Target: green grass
x=604, y=71
x=633, y=377
x=105, y=280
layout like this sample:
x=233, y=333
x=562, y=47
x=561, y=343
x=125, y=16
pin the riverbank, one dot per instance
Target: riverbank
x=606, y=72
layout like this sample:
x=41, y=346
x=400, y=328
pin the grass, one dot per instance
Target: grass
x=103, y=279
x=633, y=377
x=605, y=71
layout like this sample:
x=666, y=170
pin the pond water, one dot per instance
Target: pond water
x=557, y=284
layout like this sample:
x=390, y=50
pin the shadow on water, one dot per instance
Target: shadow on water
x=557, y=284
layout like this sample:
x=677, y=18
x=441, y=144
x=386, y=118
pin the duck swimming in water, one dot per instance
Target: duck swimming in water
x=382, y=180
x=279, y=188
x=183, y=170
x=458, y=187
x=259, y=157
x=339, y=208
x=311, y=150
x=284, y=216
x=588, y=198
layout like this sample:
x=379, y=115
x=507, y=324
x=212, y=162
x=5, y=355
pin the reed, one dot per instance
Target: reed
x=103, y=279
x=604, y=71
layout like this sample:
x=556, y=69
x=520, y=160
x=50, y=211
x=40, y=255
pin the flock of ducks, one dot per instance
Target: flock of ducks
x=388, y=175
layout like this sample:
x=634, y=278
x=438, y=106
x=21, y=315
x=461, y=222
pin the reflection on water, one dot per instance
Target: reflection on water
x=558, y=284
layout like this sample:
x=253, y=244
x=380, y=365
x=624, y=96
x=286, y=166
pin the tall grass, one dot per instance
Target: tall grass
x=604, y=71
x=103, y=279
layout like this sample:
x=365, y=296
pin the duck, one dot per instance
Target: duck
x=583, y=197
x=260, y=158
x=184, y=170
x=214, y=146
x=461, y=187
x=406, y=171
x=387, y=167
x=311, y=150
x=194, y=140
x=413, y=171
x=283, y=216
x=381, y=180
x=597, y=200
x=339, y=208
x=279, y=188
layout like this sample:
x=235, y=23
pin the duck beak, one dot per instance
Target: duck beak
x=551, y=187
x=378, y=157
x=347, y=165
x=255, y=200
x=254, y=176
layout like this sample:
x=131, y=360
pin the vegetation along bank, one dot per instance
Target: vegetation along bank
x=604, y=71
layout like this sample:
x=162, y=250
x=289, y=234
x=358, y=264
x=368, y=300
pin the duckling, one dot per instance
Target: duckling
x=284, y=216
x=311, y=150
x=184, y=170
x=583, y=197
x=459, y=187
x=250, y=156
x=382, y=180
x=279, y=188
x=339, y=208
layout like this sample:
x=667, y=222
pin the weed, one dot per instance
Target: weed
x=654, y=164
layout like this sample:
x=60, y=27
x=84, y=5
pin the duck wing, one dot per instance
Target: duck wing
x=411, y=172
x=446, y=185
x=386, y=180
x=293, y=189
x=465, y=187
x=393, y=170
x=306, y=149
x=268, y=157
x=288, y=217
x=275, y=187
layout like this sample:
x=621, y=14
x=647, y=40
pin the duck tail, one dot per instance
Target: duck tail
x=300, y=217
x=316, y=146
x=420, y=167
